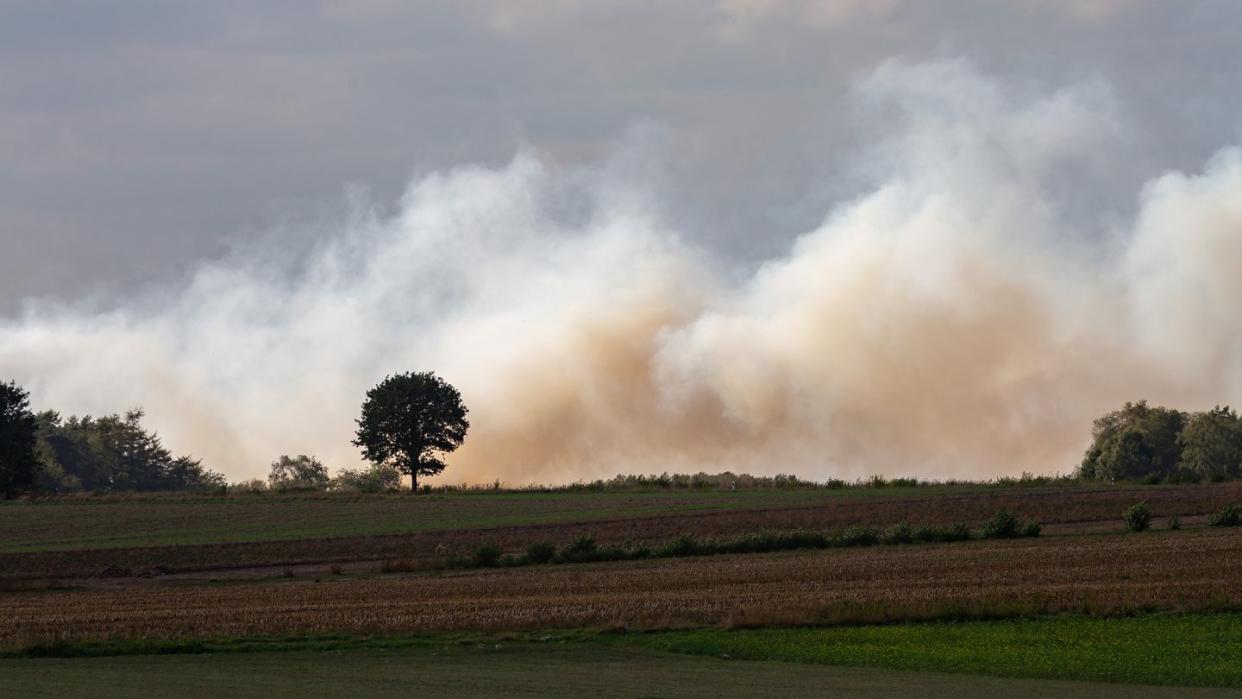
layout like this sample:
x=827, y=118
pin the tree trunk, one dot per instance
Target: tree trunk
x=414, y=481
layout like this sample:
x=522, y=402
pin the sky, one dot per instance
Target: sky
x=827, y=236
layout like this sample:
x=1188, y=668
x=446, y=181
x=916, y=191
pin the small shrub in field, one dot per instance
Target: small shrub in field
x=858, y=536
x=1229, y=516
x=486, y=556
x=336, y=570
x=580, y=550
x=541, y=552
x=1183, y=475
x=1137, y=517
x=957, y=532
x=898, y=534
x=803, y=540
x=1175, y=523
x=1031, y=529
x=1002, y=525
x=612, y=553
x=684, y=545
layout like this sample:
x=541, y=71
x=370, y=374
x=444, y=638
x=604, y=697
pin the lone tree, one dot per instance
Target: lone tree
x=408, y=421
x=18, y=437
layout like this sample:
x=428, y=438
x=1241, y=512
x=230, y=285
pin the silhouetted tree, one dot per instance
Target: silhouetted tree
x=112, y=453
x=18, y=463
x=1134, y=442
x=408, y=420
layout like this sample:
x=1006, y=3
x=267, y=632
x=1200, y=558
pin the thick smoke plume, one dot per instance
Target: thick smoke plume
x=952, y=320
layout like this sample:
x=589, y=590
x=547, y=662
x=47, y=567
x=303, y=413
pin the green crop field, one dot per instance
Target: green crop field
x=118, y=522
x=1159, y=649
x=509, y=669
x=66, y=524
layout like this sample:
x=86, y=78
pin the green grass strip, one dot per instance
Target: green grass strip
x=1190, y=650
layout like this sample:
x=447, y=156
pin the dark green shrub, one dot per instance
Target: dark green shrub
x=1184, y=475
x=486, y=556
x=1030, y=529
x=1137, y=517
x=541, y=552
x=1229, y=516
x=639, y=552
x=684, y=545
x=580, y=550
x=612, y=553
x=1002, y=525
x=957, y=532
x=858, y=536
x=898, y=534
x=1175, y=523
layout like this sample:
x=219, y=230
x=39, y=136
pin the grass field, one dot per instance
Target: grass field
x=511, y=670
x=1169, y=650
x=898, y=660
x=117, y=522
x=75, y=524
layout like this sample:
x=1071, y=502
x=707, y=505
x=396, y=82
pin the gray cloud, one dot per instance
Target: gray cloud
x=139, y=138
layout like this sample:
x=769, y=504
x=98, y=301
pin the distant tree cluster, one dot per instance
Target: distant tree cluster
x=50, y=454
x=408, y=422
x=1142, y=442
x=112, y=453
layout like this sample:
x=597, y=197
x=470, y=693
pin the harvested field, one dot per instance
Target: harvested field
x=1188, y=570
x=649, y=517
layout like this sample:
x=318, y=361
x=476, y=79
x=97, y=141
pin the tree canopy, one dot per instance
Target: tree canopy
x=1151, y=442
x=18, y=439
x=409, y=421
x=112, y=453
x=299, y=473
x=1211, y=444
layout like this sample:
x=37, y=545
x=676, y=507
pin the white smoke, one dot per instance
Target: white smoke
x=951, y=321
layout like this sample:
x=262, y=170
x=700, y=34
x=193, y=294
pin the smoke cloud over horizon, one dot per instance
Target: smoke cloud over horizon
x=959, y=317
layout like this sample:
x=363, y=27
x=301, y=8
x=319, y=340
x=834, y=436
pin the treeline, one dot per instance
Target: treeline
x=47, y=453
x=1157, y=444
x=50, y=454
x=304, y=473
x=110, y=454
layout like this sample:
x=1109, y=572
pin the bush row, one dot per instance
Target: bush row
x=1137, y=518
x=584, y=549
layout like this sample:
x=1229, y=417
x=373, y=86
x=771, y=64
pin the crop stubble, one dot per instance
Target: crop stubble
x=1188, y=570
